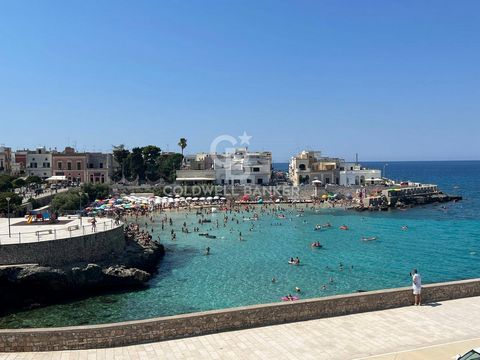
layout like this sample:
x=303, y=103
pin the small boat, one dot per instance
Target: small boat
x=210, y=236
x=371, y=238
x=343, y=227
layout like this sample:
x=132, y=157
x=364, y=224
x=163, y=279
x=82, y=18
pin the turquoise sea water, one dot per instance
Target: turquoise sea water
x=444, y=244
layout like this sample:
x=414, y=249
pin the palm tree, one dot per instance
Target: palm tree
x=182, y=143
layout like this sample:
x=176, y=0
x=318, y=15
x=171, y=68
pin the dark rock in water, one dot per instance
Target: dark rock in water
x=32, y=285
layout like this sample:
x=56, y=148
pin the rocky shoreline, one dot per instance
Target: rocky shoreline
x=31, y=285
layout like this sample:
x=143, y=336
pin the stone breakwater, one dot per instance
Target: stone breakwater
x=32, y=285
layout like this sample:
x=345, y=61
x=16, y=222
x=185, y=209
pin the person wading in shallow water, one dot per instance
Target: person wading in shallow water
x=417, y=287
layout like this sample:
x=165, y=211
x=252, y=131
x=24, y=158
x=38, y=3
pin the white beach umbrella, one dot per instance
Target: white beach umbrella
x=216, y=197
x=202, y=199
x=189, y=198
x=223, y=199
x=209, y=198
x=195, y=199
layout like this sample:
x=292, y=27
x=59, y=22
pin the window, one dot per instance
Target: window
x=259, y=181
x=69, y=165
x=249, y=181
x=302, y=167
x=256, y=169
x=100, y=165
x=59, y=165
x=79, y=165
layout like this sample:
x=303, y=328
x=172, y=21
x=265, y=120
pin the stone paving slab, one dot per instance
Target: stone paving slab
x=437, y=331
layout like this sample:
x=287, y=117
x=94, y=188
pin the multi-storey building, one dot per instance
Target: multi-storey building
x=38, y=162
x=5, y=159
x=83, y=167
x=243, y=167
x=311, y=165
x=355, y=174
x=235, y=168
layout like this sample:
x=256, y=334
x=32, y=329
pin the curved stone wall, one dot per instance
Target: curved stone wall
x=85, y=248
x=143, y=331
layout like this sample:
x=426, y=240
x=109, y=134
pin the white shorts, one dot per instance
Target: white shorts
x=417, y=291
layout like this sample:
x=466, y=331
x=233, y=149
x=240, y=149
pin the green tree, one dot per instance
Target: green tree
x=15, y=202
x=33, y=180
x=69, y=201
x=6, y=183
x=120, y=154
x=96, y=191
x=182, y=143
x=137, y=164
x=168, y=166
x=151, y=156
x=19, y=183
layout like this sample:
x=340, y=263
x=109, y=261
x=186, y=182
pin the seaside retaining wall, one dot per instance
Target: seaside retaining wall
x=85, y=248
x=143, y=331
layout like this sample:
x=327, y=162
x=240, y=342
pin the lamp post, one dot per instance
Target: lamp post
x=80, y=197
x=8, y=215
x=384, y=166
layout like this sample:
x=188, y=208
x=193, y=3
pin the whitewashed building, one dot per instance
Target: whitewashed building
x=39, y=163
x=355, y=174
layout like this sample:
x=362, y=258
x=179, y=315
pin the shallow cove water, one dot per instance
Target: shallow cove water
x=443, y=243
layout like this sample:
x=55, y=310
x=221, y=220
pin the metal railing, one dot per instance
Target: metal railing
x=55, y=232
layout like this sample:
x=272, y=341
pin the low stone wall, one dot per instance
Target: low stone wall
x=86, y=248
x=143, y=331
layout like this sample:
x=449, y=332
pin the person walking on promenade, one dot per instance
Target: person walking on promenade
x=94, y=224
x=416, y=286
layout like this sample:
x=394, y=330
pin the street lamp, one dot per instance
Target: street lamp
x=384, y=166
x=80, y=197
x=8, y=215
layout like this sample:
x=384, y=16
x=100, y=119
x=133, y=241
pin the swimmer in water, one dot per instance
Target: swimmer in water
x=404, y=227
x=274, y=280
x=297, y=289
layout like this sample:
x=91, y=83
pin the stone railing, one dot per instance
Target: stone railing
x=172, y=327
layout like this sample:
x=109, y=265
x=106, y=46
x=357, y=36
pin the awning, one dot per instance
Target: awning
x=196, y=179
x=57, y=178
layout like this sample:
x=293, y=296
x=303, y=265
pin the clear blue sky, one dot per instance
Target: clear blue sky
x=391, y=80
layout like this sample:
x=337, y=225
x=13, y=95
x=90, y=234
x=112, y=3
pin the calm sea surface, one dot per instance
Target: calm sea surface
x=444, y=244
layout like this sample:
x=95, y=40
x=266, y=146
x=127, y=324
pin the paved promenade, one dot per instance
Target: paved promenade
x=435, y=331
x=34, y=232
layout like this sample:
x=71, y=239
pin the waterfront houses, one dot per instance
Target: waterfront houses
x=310, y=165
x=238, y=167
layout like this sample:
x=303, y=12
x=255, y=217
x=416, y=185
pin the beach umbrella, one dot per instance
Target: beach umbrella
x=209, y=198
x=277, y=201
x=202, y=199
x=188, y=198
x=260, y=201
x=245, y=198
x=223, y=199
x=195, y=199
x=216, y=197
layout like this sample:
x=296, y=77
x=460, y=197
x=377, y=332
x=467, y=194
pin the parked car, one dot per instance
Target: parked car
x=473, y=354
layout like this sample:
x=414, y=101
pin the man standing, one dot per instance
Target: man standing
x=416, y=286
